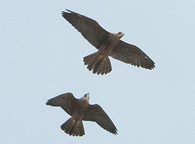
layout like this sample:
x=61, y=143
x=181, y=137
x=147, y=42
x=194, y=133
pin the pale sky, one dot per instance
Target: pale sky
x=41, y=57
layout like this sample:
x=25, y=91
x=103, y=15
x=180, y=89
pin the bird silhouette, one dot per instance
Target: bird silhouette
x=108, y=44
x=79, y=110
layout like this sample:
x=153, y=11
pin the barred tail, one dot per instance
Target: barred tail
x=72, y=127
x=97, y=64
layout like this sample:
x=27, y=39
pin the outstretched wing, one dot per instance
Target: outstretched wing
x=97, y=114
x=88, y=27
x=129, y=53
x=66, y=101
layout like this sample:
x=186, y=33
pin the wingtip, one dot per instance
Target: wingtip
x=48, y=103
x=68, y=10
x=149, y=64
x=152, y=67
x=115, y=132
x=65, y=11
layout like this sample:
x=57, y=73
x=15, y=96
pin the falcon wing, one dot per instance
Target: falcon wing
x=129, y=53
x=66, y=101
x=88, y=27
x=97, y=114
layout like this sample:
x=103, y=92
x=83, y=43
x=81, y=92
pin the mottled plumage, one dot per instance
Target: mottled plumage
x=79, y=110
x=108, y=44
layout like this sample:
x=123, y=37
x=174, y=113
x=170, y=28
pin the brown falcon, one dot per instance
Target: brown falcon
x=80, y=109
x=108, y=44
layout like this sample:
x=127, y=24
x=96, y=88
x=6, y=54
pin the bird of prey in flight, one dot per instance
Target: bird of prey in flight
x=79, y=110
x=108, y=44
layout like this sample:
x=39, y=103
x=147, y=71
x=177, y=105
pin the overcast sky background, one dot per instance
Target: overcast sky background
x=41, y=57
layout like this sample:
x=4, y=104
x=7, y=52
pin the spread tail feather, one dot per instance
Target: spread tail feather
x=72, y=127
x=97, y=64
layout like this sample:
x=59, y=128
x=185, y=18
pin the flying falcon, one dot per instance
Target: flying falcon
x=80, y=109
x=108, y=44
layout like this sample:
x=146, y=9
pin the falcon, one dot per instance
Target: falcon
x=108, y=44
x=79, y=110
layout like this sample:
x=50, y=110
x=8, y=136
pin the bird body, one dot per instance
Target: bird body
x=108, y=44
x=99, y=61
x=74, y=125
x=79, y=110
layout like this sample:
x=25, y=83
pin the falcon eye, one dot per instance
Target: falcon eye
x=119, y=32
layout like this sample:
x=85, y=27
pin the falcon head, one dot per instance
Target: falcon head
x=120, y=34
x=85, y=97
